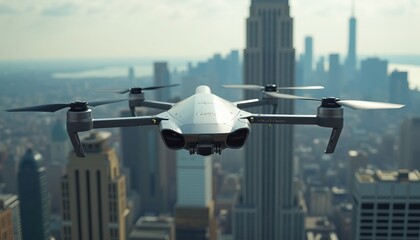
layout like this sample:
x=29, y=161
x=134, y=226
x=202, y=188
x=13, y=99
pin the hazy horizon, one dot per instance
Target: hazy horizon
x=97, y=29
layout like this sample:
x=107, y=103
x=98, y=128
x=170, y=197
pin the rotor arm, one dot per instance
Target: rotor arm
x=334, y=122
x=126, y=122
x=83, y=122
x=157, y=104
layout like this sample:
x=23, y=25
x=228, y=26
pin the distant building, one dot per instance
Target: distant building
x=33, y=197
x=11, y=202
x=356, y=160
x=399, y=89
x=56, y=167
x=308, y=61
x=94, y=193
x=334, y=75
x=343, y=222
x=409, y=150
x=152, y=166
x=10, y=170
x=162, y=77
x=320, y=201
x=350, y=65
x=194, y=212
x=153, y=228
x=374, y=79
x=386, y=205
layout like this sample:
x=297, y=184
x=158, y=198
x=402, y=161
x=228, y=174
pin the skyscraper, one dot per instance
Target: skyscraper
x=386, y=205
x=267, y=208
x=93, y=193
x=399, y=90
x=351, y=60
x=33, y=197
x=334, y=75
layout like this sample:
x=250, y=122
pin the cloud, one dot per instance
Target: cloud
x=61, y=9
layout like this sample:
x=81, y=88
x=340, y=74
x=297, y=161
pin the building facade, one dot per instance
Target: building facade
x=194, y=212
x=33, y=197
x=94, y=193
x=11, y=201
x=267, y=207
x=386, y=205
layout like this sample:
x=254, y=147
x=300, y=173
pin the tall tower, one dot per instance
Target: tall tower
x=93, y=193
x=11, y=201
x=351, y=60
x=33, y=197
x=267, y=208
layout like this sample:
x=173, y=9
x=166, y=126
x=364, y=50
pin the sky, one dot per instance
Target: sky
x=77, y=29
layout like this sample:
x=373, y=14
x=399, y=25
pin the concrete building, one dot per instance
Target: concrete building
x=6, y=224
x=194, y=212
x=386, y=205
x=11, y=202
x=320, y=201
x=374, y=79
x=308, y=61
x=399, y=88
x=153, y=228
x=409, y=151
x=267, y=207
x=94, y=193
x=33, y=197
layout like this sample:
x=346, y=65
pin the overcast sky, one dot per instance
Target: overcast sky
x=193, y=28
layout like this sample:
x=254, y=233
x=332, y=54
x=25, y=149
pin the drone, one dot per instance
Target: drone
x=205, y=123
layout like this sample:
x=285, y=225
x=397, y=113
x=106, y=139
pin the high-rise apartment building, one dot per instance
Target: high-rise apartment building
x=33, y=197
x=194, y=212
x=11, y=202
x=386, y=205
x=94, y=193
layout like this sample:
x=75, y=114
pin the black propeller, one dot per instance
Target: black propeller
x=74, y=106
x=336, y=102
x=136, y=90
x=271, y=87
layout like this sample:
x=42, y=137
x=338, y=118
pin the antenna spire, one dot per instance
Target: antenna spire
x=353, y=7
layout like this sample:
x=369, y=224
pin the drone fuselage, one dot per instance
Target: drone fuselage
x=204, y=124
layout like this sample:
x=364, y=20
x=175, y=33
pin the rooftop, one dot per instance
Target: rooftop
x=402, y=175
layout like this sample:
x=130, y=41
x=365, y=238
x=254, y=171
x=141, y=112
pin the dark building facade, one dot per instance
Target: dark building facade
x=33, y=196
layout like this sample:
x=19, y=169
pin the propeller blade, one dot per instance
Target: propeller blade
x=302, y=88
x=157, y=87
x=120, y=91
x=247, y=87
x=289, y=96
x=40, y=108
x=363, y=105
x=103, y=102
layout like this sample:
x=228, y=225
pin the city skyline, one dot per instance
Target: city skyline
x=96, y=29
